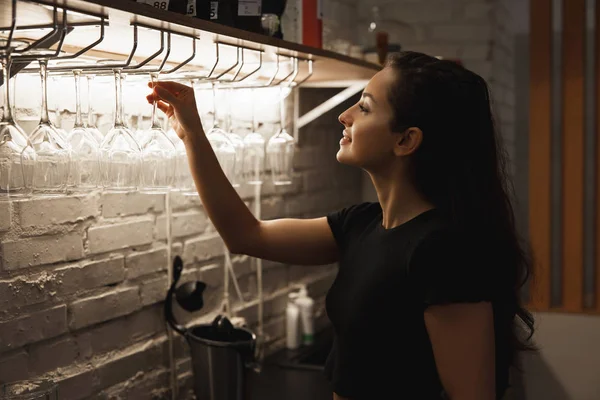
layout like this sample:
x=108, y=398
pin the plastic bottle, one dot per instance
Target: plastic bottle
x=292, y=314
x=306, y=306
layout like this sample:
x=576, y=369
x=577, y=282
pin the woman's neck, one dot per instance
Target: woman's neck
x=399, y=199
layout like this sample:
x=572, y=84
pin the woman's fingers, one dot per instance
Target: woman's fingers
x=164, y=107
x=174, y=87
x=165, y=95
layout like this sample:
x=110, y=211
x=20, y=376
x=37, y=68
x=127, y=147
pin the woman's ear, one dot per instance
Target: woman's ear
x=408, y=141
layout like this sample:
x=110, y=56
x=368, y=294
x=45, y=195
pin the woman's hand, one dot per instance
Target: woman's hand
x=177, y=101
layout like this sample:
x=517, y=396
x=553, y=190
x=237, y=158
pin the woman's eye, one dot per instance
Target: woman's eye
x=362, y=108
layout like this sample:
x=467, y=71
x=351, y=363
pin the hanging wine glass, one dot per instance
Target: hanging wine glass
x=120, y=154
x=52, y=151
x=58, y=117
x=17, y=157
x=254, y=153
x=158, y=155
x=280, y=151
x=238, y=145
x=220, y=143
x=90, y=123
x=85, y=150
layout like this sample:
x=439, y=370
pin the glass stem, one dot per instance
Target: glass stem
x=154, y=124
x=281, y=109
x=216, y=119
x=7, y=115
x=44, y=119
x=118, y=99
x=90, y=123
x=254, y=127
x=229, y=120
x=78, y=119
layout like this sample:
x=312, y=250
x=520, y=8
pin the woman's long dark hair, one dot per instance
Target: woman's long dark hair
x=461, y=167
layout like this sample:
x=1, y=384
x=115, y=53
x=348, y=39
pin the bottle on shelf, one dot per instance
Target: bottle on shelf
x=248, y=15
x=306, y=306
x=292, y=315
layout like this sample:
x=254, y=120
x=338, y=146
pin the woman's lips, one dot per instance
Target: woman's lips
x=345, y=139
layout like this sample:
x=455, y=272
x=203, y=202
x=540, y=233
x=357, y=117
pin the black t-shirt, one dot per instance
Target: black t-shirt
x=386, y=280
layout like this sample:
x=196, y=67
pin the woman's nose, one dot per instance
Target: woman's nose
x=344, y=118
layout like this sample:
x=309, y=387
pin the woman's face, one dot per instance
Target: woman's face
x=367, y=140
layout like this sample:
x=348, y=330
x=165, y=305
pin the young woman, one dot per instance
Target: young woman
x=425, y=304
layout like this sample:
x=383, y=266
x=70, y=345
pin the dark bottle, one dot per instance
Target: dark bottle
x=247, y=16
x=223, y=11
x=178, y=6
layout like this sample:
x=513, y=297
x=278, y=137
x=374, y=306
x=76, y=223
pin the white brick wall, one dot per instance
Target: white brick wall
x=83, y=278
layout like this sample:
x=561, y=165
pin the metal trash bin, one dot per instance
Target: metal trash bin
x=221, y=354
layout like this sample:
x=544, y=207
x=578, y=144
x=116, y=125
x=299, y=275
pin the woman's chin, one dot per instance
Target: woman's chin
x=344, y=157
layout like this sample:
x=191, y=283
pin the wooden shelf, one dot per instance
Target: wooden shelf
x=117, y=43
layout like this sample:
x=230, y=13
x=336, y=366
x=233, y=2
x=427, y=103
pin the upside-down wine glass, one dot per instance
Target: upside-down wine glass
x=280, y=150
x=220, y=143
x=238, y=145
x=158, y=155
x=254, y=152
x=52, y=151
x=90, y=124
x=120, y=154
x=85, y=149
x=17, y=157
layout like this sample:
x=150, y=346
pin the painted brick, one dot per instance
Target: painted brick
x=107, y=238
x=272, y=207
x=202, y=249
x=268, y=189
x=317, y=180
x=181, y=201
x=48, y=356
x=274, y=328
x=478, y=11
x=319, y=285
x=306, y=157
x=138, y=358
x=104, y=307
x=78, y=386
x=462, y=33
x=14, y=367
x=59, y=210
x=182, y=224
x=437, y=50
x=91, y=275
x=123, y=331
x=41, y=250
x=413, y=12
x=134, y=203
x=273, y=280
x=153, y=291
x=475, y=52
x=33, y=327
x=26, y=290
x=147, y=262
x=5, y=215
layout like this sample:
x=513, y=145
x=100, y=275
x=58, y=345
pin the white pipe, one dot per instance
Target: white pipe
x=226, y=304
x=172, y=364
x=259, y=275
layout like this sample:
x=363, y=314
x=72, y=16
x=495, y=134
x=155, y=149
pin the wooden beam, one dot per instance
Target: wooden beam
x=540, y=111
x=573, y=144
x=597, y=203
